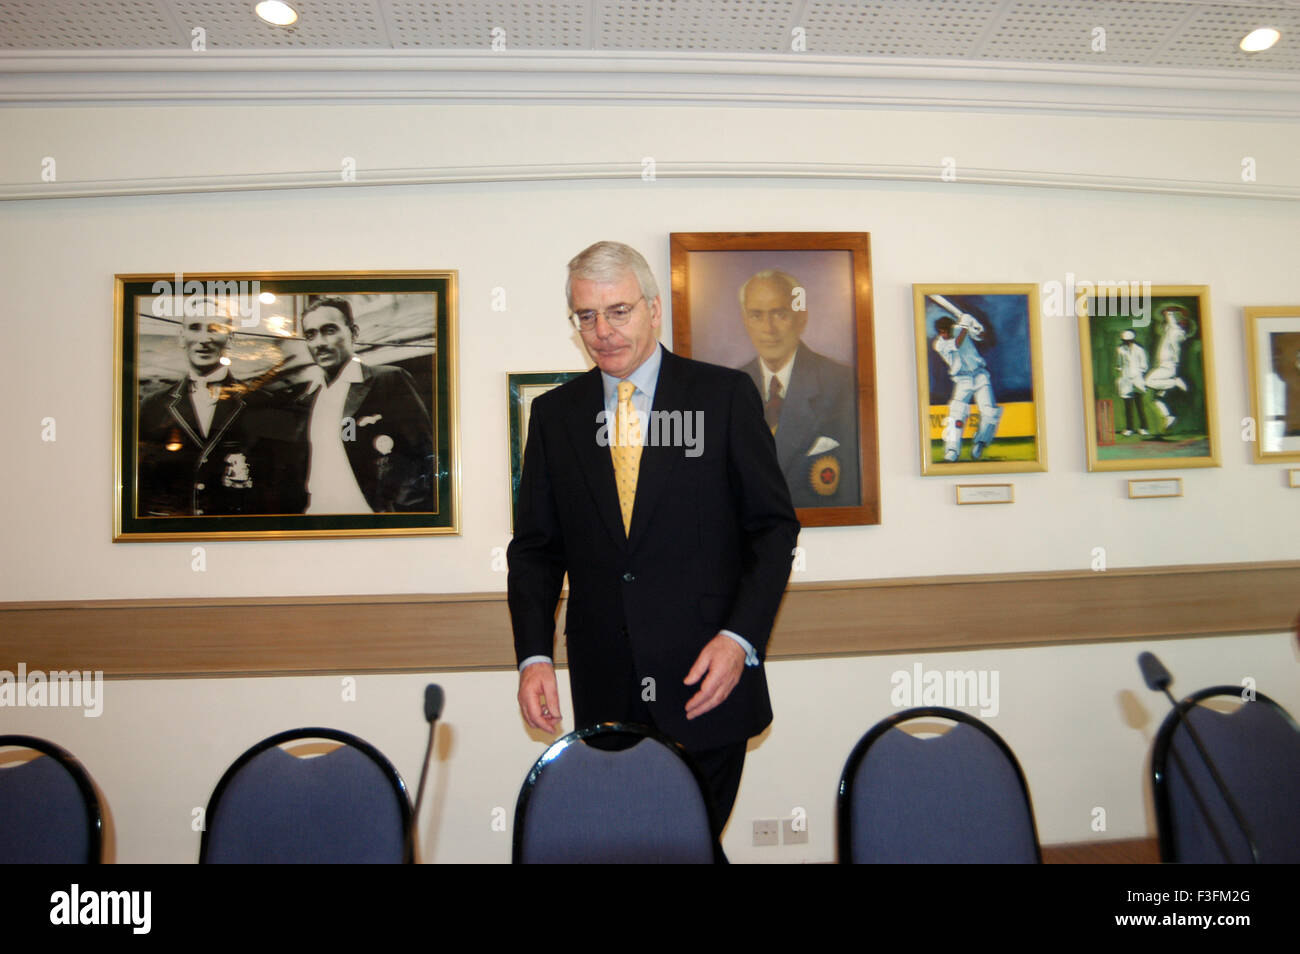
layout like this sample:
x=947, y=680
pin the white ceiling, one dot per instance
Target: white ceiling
x=1172, y=35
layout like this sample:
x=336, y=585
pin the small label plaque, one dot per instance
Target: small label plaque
x=1293, y=475
x=986, y=493
x=1163, y=487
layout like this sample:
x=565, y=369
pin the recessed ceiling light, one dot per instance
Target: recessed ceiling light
x=275, y=12
x=1260, y=39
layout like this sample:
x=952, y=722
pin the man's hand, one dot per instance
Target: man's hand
x=539, y=699
x=720, y=664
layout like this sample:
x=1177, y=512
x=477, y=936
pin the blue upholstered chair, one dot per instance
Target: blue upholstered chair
x=272, y=806
x=49, y=811
x=1256, y=750
x=641, y=804
x=959, y=797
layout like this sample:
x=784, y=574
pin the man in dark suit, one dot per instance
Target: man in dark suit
x=652, y=481
x=370, y=436
x=210, y=444
x=809, y=401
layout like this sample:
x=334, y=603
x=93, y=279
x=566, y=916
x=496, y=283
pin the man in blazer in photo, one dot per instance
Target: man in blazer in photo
x=652, y=481
x=210, y=444
x=369, y=435
x=809, y=400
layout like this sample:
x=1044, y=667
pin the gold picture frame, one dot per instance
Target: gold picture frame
x=979, y=347
x=1273, y=356
x=1147, y=354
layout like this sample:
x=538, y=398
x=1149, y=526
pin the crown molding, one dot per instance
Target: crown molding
x=577, y=171
x=467, y=77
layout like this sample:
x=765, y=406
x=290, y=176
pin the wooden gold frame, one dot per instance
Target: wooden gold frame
x=1172, y=397
x=829, y=451
x=1272, y=336
x=245, y=472
x=1012, y=352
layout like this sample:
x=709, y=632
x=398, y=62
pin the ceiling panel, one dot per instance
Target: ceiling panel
x=924, y=28
x=322, y=24
x=92, y=24
x=1157, y=34
x=469, y=24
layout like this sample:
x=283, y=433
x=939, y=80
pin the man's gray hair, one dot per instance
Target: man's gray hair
x=609, y=262
x=769, y=274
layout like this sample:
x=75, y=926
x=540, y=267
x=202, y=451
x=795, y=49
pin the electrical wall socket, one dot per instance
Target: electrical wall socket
x=767, y=831
x=791, y=836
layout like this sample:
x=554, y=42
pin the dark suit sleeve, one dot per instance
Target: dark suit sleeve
x=413, y=486
x=768, y=526
x=536, y=553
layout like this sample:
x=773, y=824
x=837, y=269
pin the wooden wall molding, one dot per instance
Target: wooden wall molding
x=463, y=631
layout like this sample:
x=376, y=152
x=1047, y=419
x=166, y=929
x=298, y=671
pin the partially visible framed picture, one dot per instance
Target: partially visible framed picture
x=793, y=310
x=1148, y=378
x=287, y=404
x=523, y=387
x=1273, y=353
x=979, y=379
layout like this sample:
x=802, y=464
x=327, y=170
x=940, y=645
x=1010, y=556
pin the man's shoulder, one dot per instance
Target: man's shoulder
x=704, y=370
x=828, y=369
x=159, y=391
x=566, y=393
x=384, y=373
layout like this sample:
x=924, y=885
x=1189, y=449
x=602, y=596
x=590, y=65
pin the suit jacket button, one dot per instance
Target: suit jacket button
x=197, y=512
x=628, y=577
x=200, y=487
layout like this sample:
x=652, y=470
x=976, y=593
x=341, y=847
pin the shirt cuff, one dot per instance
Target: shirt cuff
x=534, y=659
x=751, y=657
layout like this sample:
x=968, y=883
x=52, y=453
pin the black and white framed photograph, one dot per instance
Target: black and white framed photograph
x=285, y=405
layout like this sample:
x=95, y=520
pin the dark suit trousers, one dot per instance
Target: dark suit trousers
x=721, y=768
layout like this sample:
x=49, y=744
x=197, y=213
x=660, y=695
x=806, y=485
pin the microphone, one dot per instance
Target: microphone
x=433, y=700
x=1158, y=679
x=1154, y=673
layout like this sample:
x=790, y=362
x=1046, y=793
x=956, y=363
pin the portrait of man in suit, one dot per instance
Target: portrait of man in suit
x=677, y=551
x=369, y=436
x=210, y=443
x=809, y=400
x=1285, y=347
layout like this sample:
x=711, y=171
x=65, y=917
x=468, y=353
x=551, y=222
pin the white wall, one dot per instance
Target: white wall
x=160, y=745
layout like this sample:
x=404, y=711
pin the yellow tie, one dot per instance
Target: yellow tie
x=625, y=449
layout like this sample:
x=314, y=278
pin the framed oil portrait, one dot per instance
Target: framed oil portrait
x=1148, y=377
x=522, y=388
x=287, y=404
x=793, y=310
x=1273, y=353
x=979, y=379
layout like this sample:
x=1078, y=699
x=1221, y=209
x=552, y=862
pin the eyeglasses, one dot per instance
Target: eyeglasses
x=615, y=315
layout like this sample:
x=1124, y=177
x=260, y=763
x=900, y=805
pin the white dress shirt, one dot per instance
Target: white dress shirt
x=330, y=482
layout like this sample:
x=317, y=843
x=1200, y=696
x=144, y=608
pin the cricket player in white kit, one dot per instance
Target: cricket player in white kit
x=970, y=379
x=1164, y=376
x=1130, y=382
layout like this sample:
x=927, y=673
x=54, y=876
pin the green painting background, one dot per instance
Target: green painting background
x=1189, y=435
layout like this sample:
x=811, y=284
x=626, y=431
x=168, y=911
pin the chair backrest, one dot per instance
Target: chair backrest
x=956, y=798
x=49, y=811
x=1256, y=751
x=643, y=804
x=347, y=806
